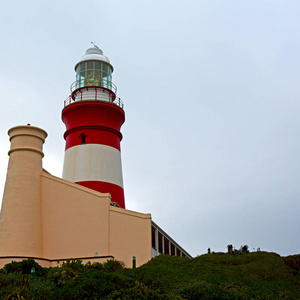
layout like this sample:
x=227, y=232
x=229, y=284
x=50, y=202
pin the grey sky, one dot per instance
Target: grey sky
x=211, y=93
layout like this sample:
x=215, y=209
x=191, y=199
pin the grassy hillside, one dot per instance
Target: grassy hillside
x=223, y=276
x=258, y=275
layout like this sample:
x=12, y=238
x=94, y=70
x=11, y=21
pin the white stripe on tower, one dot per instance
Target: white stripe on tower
x=93, y=162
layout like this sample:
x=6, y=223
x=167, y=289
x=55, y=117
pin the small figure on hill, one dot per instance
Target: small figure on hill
x=229, y=247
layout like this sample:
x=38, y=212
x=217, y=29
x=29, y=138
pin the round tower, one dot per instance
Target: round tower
x=93, y=116
x=20, y=220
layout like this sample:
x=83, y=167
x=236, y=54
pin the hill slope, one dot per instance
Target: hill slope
x=223, y=276
x=257, y=275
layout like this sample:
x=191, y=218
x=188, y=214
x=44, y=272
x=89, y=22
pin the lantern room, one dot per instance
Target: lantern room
x=94, y=69
x=94, y=79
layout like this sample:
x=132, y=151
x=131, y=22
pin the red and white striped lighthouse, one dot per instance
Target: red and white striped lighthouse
x=93, y=116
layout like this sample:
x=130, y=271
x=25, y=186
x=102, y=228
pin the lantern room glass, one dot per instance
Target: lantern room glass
x=93, y=73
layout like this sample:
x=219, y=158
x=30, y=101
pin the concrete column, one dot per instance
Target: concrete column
x=156, y=241
x=163, y=244
x=20, y=218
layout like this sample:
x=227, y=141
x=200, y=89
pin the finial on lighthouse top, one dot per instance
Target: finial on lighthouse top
x=94, y=50
x=94, y=53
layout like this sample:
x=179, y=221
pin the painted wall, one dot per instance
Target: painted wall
x=130, y=235
x=49, y=218
x=75, y=219
x=78, y=222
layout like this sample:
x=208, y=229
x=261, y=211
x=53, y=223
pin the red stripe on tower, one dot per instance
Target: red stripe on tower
x=93, y=116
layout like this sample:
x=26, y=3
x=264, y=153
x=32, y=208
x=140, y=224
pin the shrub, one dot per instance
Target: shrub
x=113, y=265
x=244, y=249
x=24, y=267
x=293, y=261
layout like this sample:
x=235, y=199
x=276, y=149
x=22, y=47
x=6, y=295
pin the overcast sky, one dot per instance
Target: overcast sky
x=211, y=92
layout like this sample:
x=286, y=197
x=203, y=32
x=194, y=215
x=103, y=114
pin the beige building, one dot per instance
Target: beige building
x=49, y=219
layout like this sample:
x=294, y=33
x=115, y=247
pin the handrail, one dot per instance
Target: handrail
x=97, y=82
x=93, y=93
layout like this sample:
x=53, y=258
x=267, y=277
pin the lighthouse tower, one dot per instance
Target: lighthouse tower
x=93, y=116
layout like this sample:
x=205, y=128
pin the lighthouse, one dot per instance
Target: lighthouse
x=47, y=218
x=93, y=116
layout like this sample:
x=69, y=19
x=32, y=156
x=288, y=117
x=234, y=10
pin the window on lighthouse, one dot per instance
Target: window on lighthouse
x=82, y=138
x=93, y=73
x=92, y=78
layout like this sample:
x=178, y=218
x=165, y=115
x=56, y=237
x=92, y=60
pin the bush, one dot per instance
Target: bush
x=293, y=261
x=24, y=267
x=93, y=266
x=94, y=284
x=244, y=249
x=258, y=275
x=69, y=270
x=113, y=265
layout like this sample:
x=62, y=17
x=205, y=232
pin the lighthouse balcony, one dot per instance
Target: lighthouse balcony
x=93, y=93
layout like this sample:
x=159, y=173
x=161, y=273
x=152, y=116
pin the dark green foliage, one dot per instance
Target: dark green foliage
x=257, y=275
x=293, y=261
x=244, y=249
x=24, y=267
x=221, y=276
x=113, y=265
x=19, y=286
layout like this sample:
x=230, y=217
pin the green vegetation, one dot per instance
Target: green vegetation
x=256, y=275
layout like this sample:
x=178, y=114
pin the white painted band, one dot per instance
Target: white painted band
x=92, y=162
x=93, y=94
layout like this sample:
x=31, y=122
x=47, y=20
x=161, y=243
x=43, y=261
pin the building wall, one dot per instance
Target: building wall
x=130, y=235
x=75, y=219
x=49, y=218
x=77, y=222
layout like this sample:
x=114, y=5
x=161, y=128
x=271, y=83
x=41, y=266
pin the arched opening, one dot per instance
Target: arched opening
x=82, y=138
